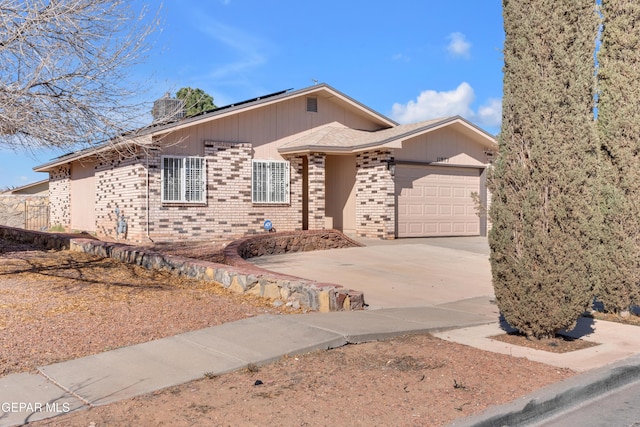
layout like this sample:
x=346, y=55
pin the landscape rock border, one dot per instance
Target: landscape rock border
x=285, y=242
x=240, y=277
x=41, y=239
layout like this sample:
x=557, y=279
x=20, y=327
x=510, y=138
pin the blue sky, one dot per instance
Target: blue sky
x=409, y=59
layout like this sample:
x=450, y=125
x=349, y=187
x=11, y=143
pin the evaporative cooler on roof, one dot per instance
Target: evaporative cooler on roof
x=167, y=109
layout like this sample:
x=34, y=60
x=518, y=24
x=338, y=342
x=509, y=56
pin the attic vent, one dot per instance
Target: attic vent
x=312, y=104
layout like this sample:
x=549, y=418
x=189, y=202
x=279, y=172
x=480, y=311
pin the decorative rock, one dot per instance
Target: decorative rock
x=209, y=273
x=341, y=298
x=235, y=286
x=324, y=302
x=356, y=300
x=255, y=290
x=245, y=278
x=346, y=304
x=271, y=291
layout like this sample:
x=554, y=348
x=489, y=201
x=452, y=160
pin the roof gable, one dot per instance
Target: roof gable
x=41, y=186
x=322, y=89
x=145, y=135
x=337, y=138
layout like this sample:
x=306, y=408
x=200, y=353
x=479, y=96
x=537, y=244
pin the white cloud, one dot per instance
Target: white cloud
x=459, y=46
x=431, y=104
x=247, y=51
x=401, y=57
x=490, y=113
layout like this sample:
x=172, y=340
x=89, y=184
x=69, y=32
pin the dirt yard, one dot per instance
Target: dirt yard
x=61, y=305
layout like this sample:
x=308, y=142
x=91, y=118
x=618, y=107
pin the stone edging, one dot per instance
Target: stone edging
x=323, y=297
x=332, y=297
x=39, y=238
x=252, y=246
x=242, y=277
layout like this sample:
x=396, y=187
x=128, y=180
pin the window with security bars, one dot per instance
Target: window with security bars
x=183, y=179
x=270, y=181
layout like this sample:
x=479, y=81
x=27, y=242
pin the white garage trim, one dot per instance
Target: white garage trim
x=436, y=200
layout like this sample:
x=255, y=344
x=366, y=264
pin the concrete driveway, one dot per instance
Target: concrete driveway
x=447, y=272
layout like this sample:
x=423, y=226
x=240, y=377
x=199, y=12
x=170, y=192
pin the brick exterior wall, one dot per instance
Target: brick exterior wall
x=121, y=183
x=228, y=210
x=60, y=196
x=375, y=195
x=316, y=191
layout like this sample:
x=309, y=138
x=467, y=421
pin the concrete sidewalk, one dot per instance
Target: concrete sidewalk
x=450, y=297
x=131, y=371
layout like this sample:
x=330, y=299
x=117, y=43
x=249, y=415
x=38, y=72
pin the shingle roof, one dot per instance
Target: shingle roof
x=156, y=129
x=336, y=137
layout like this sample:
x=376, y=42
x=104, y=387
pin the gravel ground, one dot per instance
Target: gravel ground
x=56, y=306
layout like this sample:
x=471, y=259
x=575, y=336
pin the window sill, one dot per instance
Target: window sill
x=183, y=204
x=270, y=205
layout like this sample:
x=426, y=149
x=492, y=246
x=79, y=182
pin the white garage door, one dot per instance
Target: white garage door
x=436, y=201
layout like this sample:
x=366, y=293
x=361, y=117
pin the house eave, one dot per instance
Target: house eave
x=160, y=130
x=92, y=151
x=259, y=103
x=396, y=141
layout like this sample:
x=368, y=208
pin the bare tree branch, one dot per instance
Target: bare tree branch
x=64, y=71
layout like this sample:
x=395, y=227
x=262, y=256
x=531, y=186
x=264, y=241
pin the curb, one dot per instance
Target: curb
x=558, y=398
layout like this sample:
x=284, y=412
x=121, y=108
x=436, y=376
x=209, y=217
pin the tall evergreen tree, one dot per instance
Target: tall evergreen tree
x=618, y=127
x=542, y=201
x=195, y=100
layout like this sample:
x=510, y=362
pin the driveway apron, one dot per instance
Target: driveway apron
x=452, y=272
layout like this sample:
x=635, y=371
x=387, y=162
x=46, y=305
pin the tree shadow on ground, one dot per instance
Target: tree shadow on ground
x=9, y=247
x=98, y=271
x=584, y=326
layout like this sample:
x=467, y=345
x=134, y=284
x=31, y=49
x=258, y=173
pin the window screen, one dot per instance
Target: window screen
x=183, y=179
x=270, y=181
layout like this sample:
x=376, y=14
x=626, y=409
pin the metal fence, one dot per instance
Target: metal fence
x=28, y=212
x=36, y=217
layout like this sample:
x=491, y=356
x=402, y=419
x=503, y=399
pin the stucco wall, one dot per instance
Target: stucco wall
x=265, y=125
x=340, y=196
x=83, y=196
